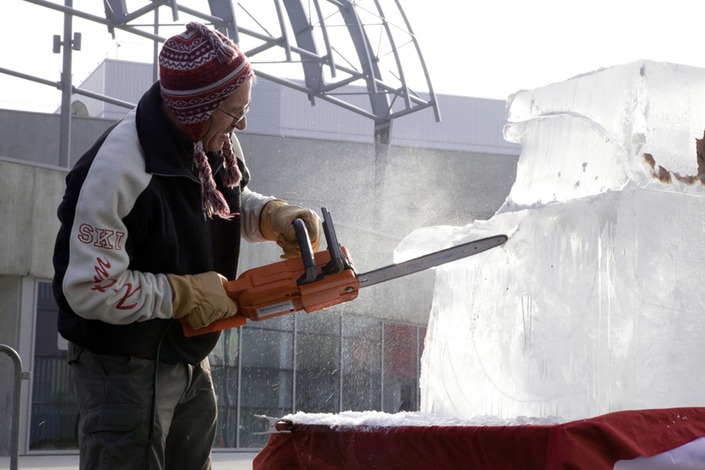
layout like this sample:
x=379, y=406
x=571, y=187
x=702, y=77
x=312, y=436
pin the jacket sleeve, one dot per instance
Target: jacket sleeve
x=251, y=207
x=251, y=203
x=97, y=283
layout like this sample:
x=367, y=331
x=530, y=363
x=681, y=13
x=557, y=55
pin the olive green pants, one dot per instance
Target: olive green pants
x=120, y=429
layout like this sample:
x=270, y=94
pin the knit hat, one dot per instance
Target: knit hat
x=198, y=69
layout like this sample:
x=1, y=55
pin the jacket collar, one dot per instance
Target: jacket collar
x=167, y=150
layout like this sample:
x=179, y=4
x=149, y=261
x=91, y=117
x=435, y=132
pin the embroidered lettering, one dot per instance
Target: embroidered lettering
x=105, y=286
x=103, y=238
x=100, y=237
x=121, y=305
x=118, y=236
x=103, y=282
x=101, y=269
x=85, y=233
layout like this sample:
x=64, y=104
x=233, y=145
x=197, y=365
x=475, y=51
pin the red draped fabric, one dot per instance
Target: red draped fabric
x=594, y=444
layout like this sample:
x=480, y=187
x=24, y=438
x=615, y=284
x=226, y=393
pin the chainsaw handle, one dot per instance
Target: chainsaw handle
x=310, y=268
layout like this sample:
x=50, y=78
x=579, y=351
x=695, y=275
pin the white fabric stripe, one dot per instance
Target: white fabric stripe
x=250, y=209
x=217, y=84
x=175, y=64
x=687, y=456
x=98, y=284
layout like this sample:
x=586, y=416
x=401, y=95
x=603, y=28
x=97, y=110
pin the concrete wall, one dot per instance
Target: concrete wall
x=29, y=196
x=9, y=336
x=34, y=137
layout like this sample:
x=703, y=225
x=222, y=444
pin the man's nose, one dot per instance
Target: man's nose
x=242, y=124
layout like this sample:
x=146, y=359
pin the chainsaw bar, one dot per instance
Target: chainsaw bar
x=320, y=280
x=430, y=260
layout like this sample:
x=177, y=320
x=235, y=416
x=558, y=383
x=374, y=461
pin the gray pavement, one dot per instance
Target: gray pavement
x=221, y=461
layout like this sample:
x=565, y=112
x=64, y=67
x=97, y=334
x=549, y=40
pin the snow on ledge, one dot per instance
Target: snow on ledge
x=381, y=419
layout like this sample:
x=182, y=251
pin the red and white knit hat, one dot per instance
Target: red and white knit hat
x=198, y=69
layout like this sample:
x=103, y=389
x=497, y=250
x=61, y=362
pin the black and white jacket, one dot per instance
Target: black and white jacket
x=131, y=214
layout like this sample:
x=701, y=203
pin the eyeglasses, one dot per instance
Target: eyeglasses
x=237, y=118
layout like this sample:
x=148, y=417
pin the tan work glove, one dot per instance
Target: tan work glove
x=276, y=223
x=201, y=298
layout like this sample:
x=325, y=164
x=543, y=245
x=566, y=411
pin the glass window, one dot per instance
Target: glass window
x=362, y=364
x=318, y=362
x=225, y=363
x=54, y=415
x=400, y=377
x=267, y=355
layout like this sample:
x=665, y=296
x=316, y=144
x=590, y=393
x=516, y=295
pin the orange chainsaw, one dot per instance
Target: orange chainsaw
x=319, y=280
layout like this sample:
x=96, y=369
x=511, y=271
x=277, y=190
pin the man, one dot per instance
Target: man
x=150, y=229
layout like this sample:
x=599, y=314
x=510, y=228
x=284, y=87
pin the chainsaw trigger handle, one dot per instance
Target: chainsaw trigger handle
x=338, y=262
x=310, y=269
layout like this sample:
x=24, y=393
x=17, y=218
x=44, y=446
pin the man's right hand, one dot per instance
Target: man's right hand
x=277, y=224
x=200, y=299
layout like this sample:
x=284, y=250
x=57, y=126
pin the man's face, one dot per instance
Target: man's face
x=229, y=115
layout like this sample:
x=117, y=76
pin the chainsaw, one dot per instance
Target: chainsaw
x=319, y=280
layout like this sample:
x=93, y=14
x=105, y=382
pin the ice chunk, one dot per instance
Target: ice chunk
x=595, y=302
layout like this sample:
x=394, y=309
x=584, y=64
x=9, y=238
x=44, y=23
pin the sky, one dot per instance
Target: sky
x=487, y=49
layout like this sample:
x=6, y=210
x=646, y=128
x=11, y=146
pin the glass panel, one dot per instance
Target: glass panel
x=265, y=353
x=267, y=375
x=400, y=368
x=362, y=364
x=224, y=361
x=54, y=417
x=318, y=362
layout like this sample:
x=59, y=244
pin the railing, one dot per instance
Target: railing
x=15, y=443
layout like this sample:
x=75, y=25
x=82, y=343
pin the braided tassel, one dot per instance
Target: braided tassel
x=213, y=200
x=232, y=171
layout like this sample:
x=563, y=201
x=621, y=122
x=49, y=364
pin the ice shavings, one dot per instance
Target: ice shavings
x=378, y=419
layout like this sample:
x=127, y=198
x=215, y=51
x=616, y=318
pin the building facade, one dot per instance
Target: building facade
x=362, y=355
